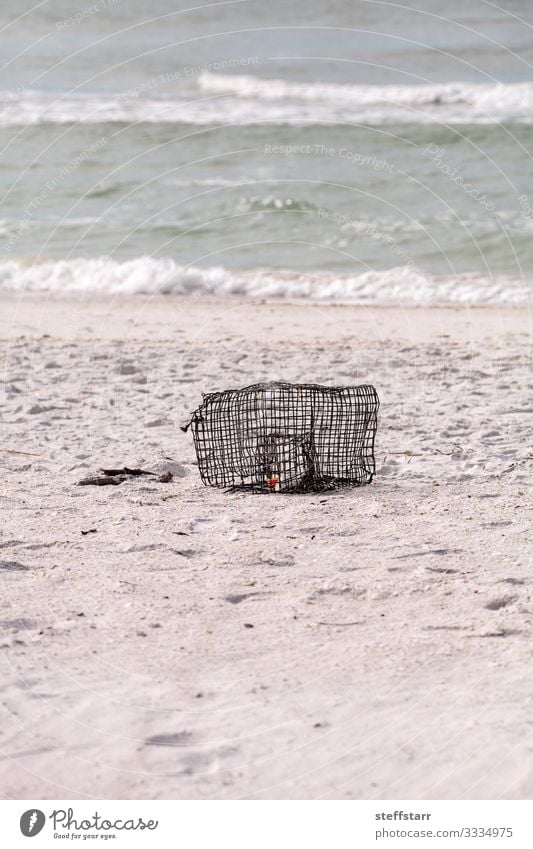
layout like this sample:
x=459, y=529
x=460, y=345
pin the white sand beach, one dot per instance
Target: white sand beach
x=167, y=640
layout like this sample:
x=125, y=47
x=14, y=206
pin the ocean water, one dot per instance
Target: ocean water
x=343, y=150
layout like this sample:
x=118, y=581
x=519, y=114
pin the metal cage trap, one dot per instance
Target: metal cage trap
x=284, y=437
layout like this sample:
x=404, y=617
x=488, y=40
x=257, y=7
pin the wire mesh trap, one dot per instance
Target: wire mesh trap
x=283, y=437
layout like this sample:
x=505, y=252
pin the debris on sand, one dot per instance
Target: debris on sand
x=114, y=477
x=13, y=566
x=102, y=481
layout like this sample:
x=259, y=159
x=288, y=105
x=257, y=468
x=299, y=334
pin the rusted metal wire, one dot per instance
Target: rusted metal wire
x=284, y=437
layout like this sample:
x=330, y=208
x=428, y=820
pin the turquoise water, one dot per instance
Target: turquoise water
x=345, y=150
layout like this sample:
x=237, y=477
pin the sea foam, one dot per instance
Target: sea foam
x=245, y=99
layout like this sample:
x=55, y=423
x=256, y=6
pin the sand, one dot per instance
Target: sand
x=166, y=640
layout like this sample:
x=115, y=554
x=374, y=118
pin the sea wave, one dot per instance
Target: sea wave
x=149, y=276
x=448, y=102
x=245, y=99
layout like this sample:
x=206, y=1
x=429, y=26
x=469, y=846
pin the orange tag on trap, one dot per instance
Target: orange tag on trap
x=273, y=483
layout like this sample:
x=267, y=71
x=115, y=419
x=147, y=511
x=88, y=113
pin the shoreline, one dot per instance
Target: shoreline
x=60, y=315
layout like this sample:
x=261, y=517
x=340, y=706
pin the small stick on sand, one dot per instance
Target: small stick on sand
x=125, y=471
x=26, y=453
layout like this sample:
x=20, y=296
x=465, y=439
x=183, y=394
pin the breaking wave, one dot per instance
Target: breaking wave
x=239, y=99
x=146, y=275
